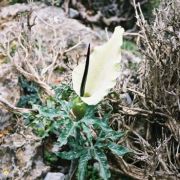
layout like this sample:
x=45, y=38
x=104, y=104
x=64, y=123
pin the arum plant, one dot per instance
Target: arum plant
x=83, y=137
x=93, y=79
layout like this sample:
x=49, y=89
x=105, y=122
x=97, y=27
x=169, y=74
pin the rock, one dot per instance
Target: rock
x=73, y=13
x=126, y=99
x=53, y=32
x=4, y=3
x=9, y=90
x=19, y=156
x=4, y=119
x=54, y=176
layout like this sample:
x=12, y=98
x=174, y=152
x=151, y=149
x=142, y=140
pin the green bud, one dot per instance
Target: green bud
x=79, y=108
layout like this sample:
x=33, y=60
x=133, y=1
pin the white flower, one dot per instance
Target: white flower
x=103, y=70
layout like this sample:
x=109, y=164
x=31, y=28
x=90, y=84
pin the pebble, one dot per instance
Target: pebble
x=54, y=176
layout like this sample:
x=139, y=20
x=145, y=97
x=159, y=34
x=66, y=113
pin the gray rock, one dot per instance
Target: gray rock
x=73, y=13
x=126, y=99
x=54, y=176
x=4, y=119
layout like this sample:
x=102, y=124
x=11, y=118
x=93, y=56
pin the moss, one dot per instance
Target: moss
x=129, y=46
x=149, y=7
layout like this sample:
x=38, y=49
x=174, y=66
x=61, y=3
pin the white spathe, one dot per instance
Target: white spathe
x=103, y=69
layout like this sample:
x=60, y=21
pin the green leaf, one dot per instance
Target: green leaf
x=65, y=108
x=97, y=122
x=117, y=149
x=50, y=157
x=41, y=126
x=83, y=162
x=87, y=131
x=68, y=130
x=48, y=112
x=28, y=100
x=63, y=92
x=111, y=135
x=70, y=155
x=90, y=111
x=103, y=163
x=30, y=93
x=76, y=143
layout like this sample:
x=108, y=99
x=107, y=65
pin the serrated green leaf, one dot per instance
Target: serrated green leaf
x=60, y=124
x=65, y=108
x=83, y=162
x=104, y=139
x=28, y=100
x=30, y=91
x=77, y=144
x=70, y=155
x=63, y=92
x=118, y=149
x=97, y=122
x=50, y=103
x=111, y=135
x=103, y=163
x=41, y=126
x=49, y=112
x=90, y=111
x=87, y=131
x=68, y=130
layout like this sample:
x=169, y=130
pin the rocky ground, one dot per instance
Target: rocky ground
x=61, y=42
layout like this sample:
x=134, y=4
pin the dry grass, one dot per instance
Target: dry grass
x=153, y=119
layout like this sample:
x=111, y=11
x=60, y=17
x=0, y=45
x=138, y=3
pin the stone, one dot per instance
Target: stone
x=73, y=13
x=53, y=31
x=54, y=176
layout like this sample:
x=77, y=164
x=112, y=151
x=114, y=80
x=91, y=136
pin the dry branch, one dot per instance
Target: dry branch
x=153, y=118
x=12, y=108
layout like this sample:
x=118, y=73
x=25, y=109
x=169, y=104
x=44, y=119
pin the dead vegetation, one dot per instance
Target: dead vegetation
x=153, y=119
x=33, y=44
